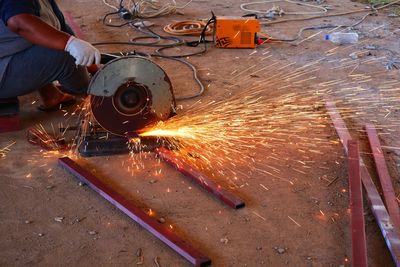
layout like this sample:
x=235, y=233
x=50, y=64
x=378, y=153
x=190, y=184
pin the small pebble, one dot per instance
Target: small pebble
x=81, y=184
x=258, y=248
x=92, y=233
x=280, y=250
x=50, y=187
x=78, y=220
x=224, y=240
x=28, y=222
x=139, y=252
x=161, y=220
x=59, y=219
x=40, y=234
x=153, y=181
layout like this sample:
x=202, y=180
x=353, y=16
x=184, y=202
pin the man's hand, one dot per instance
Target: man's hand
x=84, y=53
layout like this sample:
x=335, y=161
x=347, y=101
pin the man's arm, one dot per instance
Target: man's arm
x=37, y=31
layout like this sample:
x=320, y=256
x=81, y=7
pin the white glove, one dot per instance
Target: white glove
x=84, y=53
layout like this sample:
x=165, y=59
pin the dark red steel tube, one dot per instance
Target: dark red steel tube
x=10, y=123
x=384, y=176
x=126, y=206
x=74, y=26
x=358, y=240
x=224, y=195
x=382, y=217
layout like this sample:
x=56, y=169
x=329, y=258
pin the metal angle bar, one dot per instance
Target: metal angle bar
x=10, y=123
x=358, y=240
x=74, y=26
x=378, y=208
x=384, y=176
x=224, y=195
x=126, y=206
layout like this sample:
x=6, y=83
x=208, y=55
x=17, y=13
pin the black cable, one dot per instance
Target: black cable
x=106, y=57
x=318, y=27
x=114, y=25
x=151, y=34
x=202, y=39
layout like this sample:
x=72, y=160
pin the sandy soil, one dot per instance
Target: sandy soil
x=305, y=223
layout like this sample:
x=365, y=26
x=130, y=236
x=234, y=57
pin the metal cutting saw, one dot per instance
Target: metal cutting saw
x=127, y=95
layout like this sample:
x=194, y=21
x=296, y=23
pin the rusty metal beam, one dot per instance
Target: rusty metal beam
x=224, y=195
x=384, y=176
x=10, y=123
x=159, y=230
x=358, y=240
x=74, y=26
x=378, y=208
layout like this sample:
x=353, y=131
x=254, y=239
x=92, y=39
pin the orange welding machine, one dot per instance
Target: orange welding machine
x=236, y=32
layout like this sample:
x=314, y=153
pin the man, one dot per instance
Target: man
x=37, y=48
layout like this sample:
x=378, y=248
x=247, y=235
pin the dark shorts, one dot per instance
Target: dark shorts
x=39, y=66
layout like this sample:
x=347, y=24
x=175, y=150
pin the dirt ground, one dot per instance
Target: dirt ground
x=305, y=223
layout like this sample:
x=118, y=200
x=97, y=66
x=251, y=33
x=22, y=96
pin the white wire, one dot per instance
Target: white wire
x=150, y=8
x=323, y=10
x=109, y=5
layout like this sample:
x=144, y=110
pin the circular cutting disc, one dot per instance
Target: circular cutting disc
x=129, y=94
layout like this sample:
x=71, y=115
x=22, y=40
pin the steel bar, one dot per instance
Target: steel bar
x=224, y=195
x=358, y=240
x=159, y=230
x=10, y=123
x=74, y=26
x=384, y=176
x=378, y=208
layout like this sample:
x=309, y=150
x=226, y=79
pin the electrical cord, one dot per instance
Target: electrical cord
x=202, y=40
x=317, y=27
x=149, y=34
x=111, y=6
x=114, y=25
x=194, y=71
x=106, y=57
x=149, y=8
x=243, y=7
x=188, y=27
x=374, y=8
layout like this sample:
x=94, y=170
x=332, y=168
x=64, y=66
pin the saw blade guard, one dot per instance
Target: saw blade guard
x=129, y=94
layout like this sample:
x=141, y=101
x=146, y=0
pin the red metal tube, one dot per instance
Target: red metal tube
x=74, y=26
x=384, y=176
x=10, y=123
x=126, y=206
x=224, y=195
x=375, y=201
x=358, y=240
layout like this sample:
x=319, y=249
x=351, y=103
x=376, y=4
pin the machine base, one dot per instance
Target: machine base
x=95, y=145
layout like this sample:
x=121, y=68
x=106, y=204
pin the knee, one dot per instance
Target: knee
x=74, y=79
